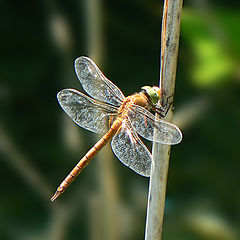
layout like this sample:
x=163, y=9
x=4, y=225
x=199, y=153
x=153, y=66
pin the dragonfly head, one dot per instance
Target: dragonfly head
x=153, y=93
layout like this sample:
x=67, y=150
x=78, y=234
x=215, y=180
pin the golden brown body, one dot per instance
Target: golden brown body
x=137, y=99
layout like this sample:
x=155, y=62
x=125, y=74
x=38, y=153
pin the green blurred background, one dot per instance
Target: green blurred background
x=39, y=144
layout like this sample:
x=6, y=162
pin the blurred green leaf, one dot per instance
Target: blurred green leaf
x=212, y=63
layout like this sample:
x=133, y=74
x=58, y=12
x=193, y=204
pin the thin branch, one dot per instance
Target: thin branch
x=161, y=153
x=22, y=165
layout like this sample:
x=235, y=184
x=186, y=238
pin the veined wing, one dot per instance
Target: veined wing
x=144, y=123
x=85, y=111
x=131, y=151
x=96, y=84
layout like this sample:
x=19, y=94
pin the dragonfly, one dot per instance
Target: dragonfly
x=122, y=119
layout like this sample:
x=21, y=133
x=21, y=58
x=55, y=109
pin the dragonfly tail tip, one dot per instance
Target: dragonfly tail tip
x=56, y=195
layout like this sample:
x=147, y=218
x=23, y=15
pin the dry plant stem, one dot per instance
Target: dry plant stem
x=158, y=178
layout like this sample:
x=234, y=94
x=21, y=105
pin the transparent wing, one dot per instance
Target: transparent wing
x=131, y=151
x=144, y=123
x=95, y=83
x=85, y=111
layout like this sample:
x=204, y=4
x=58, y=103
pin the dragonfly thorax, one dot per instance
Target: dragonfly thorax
x=136, y=99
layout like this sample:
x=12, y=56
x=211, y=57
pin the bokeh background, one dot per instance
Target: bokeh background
x=39, y=144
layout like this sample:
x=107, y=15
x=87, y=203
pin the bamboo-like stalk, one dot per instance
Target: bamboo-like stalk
x=161, y=153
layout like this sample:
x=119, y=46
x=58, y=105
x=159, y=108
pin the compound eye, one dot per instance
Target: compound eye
x=157, y=89
x=152, y=93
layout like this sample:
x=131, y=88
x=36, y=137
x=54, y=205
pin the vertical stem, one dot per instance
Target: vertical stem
x=95, y=30
x=161, y=153
x=104, y=216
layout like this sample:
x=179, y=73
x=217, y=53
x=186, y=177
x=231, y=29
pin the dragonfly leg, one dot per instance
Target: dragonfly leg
x=162, y=110
x=145, y=120
x=111, y=119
